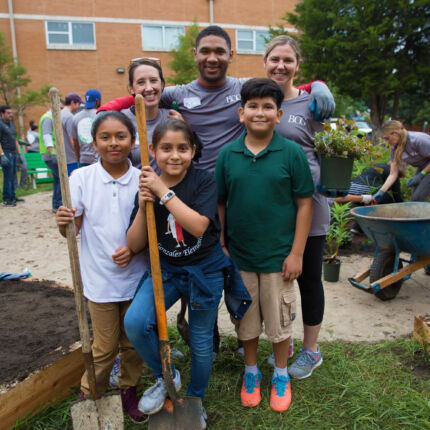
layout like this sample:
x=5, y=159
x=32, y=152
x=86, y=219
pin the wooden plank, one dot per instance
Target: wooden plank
x=45, y=387
x=362, y=275
x=407, y=270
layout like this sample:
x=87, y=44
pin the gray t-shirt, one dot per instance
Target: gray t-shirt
x=297, y=124
x=81, y=131
x=211, y=112
x=417, y=150
x=47, y=127
x=67, y=123
x=150, y=126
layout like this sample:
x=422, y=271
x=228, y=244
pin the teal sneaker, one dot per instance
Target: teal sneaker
x=305, y=363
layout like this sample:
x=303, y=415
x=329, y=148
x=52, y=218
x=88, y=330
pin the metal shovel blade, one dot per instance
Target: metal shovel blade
x=101, y=414
x=185, y=414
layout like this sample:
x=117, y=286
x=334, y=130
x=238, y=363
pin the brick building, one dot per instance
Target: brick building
x=79, y=44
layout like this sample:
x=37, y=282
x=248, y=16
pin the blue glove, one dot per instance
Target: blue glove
x=4, y=161
x=379, y=196
x=413, y=182
x=322, y=101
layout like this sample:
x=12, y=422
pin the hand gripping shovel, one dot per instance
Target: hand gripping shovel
x=186, y=411
x=101, y=413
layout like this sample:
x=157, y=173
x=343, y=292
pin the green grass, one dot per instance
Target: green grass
x=359, y=386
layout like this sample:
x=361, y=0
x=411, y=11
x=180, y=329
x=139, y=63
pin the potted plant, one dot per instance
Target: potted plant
x=337, y=235
x=338, y=148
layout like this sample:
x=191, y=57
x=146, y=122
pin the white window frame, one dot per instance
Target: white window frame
x=252, y=51
x=163, y=30
x=70, y=45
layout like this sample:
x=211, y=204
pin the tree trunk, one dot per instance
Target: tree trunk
x=395, y=105
x=378, y=104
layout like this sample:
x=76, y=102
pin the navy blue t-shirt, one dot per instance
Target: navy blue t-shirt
x=198, y=190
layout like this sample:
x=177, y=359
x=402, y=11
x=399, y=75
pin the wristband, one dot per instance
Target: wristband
x=1, y=154
x=167, y=197
x=223, y=246
x=423, y=172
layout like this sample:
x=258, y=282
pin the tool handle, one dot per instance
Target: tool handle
x=154, y=255
x=72, y=242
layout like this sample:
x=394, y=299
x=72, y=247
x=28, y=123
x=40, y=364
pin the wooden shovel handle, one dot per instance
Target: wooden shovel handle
x=72, y=242
x=154, y=255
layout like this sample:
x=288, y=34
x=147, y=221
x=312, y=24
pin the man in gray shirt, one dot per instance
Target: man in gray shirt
x=71, y=106
x=81, y=129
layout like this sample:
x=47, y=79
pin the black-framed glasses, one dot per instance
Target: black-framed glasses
x=153, y=59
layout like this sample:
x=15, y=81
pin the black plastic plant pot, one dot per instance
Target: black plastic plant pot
x=336, y=173
x=331, y=269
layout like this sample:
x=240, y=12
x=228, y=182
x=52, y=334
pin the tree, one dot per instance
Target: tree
x=366, y=49
x=12, y=77
x=183, y=63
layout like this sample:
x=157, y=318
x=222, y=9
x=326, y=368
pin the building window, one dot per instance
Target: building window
x=161, y=37
x=251, y=41
x=70, y=35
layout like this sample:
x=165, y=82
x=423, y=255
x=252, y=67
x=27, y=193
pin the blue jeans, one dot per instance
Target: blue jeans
x=71, y=167
x=140, y=325
x=9, y=177
x=56, y=193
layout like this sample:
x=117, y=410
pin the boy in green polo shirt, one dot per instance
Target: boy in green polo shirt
x=265, y=181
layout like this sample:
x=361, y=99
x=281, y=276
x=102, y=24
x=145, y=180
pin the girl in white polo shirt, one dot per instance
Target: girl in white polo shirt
x=102, y=198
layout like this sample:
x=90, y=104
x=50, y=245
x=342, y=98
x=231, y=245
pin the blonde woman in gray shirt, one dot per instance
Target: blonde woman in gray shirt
x=282, y=61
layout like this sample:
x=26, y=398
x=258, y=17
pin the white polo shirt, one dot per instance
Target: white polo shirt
x=106, y=204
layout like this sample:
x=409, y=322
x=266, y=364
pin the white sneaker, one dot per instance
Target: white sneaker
x=153, y=398
x=203, y=419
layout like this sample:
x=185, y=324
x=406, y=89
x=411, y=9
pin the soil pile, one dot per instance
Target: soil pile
x=38, y=324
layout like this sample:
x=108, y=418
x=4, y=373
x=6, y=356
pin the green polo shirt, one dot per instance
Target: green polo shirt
x=261, y=191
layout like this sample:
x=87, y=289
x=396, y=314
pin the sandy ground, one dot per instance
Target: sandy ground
x=29, y=239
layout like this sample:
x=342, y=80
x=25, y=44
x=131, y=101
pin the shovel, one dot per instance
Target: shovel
x=180, y=413
x=100, y=413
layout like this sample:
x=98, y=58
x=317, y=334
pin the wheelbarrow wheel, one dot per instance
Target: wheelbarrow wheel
x=383, y=265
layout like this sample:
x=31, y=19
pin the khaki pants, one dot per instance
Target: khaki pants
x=109, y=337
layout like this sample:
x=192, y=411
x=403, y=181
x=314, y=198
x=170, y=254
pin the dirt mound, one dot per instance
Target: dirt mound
x=38, y=324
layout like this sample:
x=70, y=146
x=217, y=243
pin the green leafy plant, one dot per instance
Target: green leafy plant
x=338, y=233
x=342, y=142
x=183, y=63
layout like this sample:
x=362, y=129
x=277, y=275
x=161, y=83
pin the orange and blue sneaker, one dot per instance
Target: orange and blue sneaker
x=250, y=394
x=280, y=395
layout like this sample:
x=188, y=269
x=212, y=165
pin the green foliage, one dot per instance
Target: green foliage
x=338, y=233
x=368, y=50
x=183, y=63
x=414, y=109
x=376, y=153
x=340, y=142
x=12, y=76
